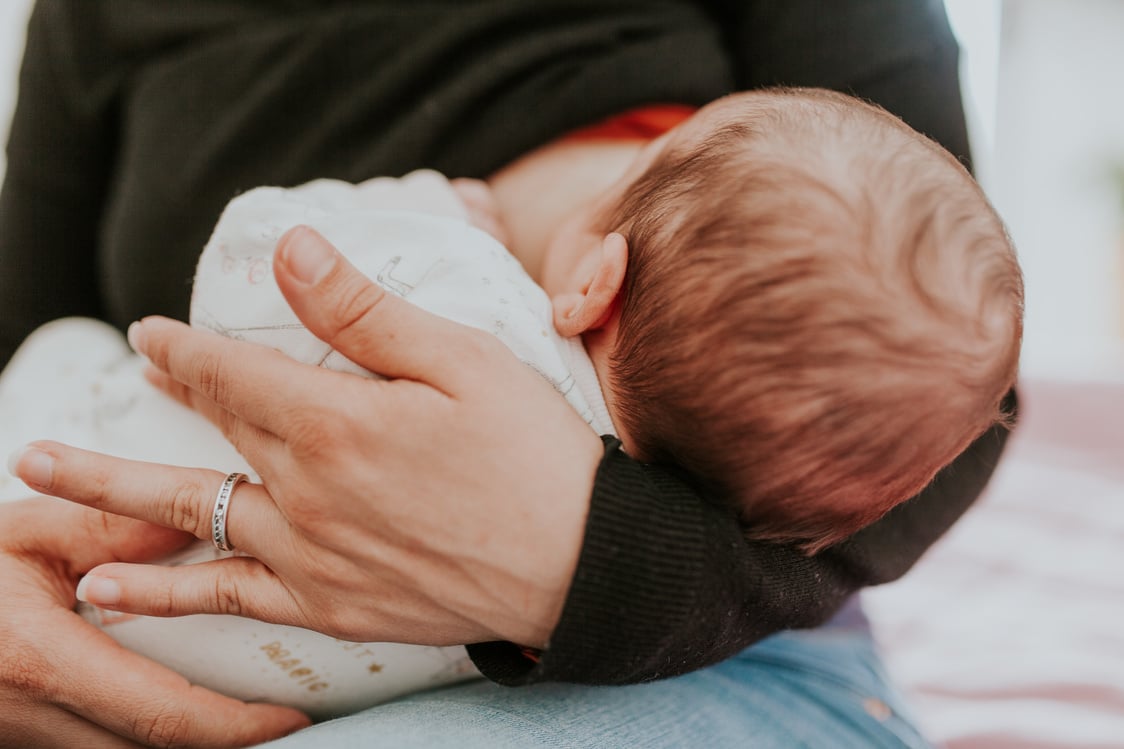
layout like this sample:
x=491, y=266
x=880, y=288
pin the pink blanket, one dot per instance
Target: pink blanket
x=1010, y=632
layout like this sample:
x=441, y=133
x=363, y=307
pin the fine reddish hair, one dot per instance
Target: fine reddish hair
x=821, y=310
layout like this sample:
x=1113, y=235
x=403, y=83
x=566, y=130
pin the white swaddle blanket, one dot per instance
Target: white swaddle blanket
x=76, y=381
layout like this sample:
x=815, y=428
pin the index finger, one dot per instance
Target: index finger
x=142, y=700
x=251, y=381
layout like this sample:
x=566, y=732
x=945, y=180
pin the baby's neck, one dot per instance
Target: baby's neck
x=539, y=191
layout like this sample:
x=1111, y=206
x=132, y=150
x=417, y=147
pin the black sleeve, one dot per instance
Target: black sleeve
x=59, y=155
x=666, y=582
x=899, y=54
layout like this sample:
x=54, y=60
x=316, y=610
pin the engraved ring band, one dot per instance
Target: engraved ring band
x=218, y=517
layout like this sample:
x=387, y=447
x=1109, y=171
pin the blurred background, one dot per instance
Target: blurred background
x=1042, y=86
x=1042, y=83
x=13, y=21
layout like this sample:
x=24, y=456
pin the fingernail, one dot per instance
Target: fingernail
x=99, y=591
x=38, y=466
x=308, y=256
x=135, y=336
x=14, y=459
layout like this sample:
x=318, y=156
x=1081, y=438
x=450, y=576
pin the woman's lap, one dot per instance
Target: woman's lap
x=817, y=688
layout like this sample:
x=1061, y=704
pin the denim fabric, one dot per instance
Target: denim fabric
x=818, y=688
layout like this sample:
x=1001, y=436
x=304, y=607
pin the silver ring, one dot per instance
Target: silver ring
x=218, y=516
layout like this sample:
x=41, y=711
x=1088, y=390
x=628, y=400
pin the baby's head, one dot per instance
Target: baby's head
x=802, y=302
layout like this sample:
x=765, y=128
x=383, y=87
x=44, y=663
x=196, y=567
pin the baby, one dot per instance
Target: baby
x=792, y=296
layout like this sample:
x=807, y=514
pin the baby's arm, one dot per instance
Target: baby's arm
x=483, y=210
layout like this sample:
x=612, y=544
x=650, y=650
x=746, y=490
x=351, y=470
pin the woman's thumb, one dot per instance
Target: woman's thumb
x=371, y=326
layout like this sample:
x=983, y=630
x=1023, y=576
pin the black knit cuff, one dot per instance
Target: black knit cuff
x=632, y=606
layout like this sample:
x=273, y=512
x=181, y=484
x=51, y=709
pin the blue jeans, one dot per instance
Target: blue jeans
x=815, y=688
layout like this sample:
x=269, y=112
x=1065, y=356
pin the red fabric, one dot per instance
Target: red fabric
x=643, y=123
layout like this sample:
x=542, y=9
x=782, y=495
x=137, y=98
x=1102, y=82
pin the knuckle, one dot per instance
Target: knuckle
x=98, y=483
x=182, y=509
x=355, y=306
x=225, y=598
x=167, y=727
x=162, y=601
x=208, y=376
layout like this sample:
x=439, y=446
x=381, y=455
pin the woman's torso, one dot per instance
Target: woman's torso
x=209, y=99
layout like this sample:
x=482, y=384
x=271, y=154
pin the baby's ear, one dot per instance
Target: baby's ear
x=594, y=305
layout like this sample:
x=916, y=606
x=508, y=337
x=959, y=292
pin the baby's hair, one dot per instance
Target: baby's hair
x=821, y=309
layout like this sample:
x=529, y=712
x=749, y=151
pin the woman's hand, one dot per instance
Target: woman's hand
x=444, y=505
x=65, y=683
